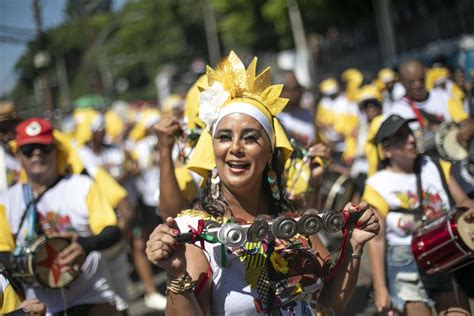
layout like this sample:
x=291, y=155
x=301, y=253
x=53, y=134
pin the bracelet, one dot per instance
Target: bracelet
x=354, y=255
x=180, y=285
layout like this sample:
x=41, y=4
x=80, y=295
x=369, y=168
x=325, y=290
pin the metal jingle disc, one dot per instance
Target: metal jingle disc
x=310, y=224
x=333, y=221
x=284, y=228
x=257, y=231
x=215, y=180
x=211, y=224
x=232, y=235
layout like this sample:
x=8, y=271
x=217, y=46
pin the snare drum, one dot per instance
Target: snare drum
x=443, y=244
x=337, y=190
x=36, y=264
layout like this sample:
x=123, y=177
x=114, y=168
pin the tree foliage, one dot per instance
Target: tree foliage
x=145, y=35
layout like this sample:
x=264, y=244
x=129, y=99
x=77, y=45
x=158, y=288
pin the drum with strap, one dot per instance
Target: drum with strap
x=36, y=263
x=444, y=244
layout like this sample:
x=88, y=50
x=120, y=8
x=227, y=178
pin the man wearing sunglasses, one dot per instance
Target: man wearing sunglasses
x=63, y=204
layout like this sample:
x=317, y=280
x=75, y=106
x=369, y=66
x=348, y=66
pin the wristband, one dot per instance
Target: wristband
x=354, y=255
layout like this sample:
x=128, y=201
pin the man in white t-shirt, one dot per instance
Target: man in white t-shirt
x=428, y=108
x=62, y=204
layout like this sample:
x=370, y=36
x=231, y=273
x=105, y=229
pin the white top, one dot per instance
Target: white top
x=111, y=158
x=388, y=190
x=66, y=207
x=231, y=293
x=436, y=104
x=148, y=182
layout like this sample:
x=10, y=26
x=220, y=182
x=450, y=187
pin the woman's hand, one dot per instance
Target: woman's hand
x=366, y=227
x=163, y=250
x=382, y=301
x=33, y=307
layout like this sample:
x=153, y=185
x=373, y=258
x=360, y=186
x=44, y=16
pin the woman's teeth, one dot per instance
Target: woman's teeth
x=238, y=165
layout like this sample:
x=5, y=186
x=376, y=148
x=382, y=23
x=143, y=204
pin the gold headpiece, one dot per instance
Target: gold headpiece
x=243, y=83
x=231, y=84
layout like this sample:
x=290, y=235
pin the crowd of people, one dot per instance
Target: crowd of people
x=119, y=186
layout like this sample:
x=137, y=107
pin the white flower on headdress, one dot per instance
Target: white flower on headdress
x=210, y=102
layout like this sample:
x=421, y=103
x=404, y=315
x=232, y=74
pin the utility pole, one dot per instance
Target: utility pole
x=383, y=19
x=42, y=58
x=305, y=67
x=212, y=37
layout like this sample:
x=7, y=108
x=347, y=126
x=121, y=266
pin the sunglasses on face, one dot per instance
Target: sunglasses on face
x=27, y=150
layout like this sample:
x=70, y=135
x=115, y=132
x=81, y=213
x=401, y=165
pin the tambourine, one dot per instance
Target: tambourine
x=442, y=142
x=283, y=227
x=35, y=263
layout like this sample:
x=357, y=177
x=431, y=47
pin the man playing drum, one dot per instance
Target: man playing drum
x=55, y=203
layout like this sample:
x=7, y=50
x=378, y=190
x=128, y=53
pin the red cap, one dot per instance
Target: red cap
x=34, y=131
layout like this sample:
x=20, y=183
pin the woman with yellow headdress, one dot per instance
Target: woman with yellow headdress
x=240, y=154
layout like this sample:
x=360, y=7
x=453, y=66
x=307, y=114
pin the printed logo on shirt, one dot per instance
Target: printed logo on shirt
x=432, y=202
x=54, y=222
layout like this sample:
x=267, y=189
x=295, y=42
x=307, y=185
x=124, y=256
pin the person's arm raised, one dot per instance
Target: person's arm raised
x=341, y=285
x=179, y=261
x=172, y=200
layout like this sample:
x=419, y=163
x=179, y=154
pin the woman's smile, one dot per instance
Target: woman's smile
x=242, y=150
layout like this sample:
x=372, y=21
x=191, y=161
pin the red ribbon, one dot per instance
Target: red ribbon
x=343, y=246
x=197, y=232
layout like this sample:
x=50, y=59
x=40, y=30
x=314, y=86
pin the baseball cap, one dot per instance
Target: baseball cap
x=34, y=131
x=390, y=127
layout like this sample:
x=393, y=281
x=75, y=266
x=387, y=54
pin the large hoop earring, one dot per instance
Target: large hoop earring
x=272, y=181
x=215, y=184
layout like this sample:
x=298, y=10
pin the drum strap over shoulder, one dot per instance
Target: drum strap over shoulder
x=444, y=182
x=420, y=211
x=31, y=202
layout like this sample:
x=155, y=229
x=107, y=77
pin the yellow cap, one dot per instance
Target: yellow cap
x=352, y=76
x=329, y=86
x=435, y=76
x=369, y=92
x=386, y=75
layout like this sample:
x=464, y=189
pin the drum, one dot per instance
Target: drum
x=36, y=264
x=443, y=244
x=337, y=190
x=442, y=142
x=447, y=144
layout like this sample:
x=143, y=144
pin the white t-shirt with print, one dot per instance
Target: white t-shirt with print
x=66, y=207
x=387, y=190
